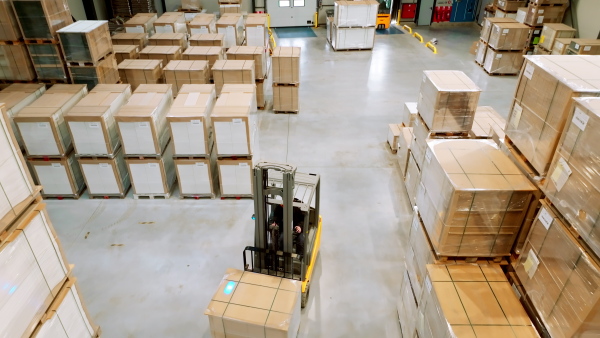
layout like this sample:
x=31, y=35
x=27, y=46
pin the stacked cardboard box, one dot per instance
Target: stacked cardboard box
x=169, y=39
x=15, y=63
x=501, y=52
x=257, y=31
x=584, y=47
x=181, y=72
x=203, y=24
x=403, y=145
x=141, y=23
x=191, y=132
x=95, y=138
x=163, y=53
x=230, y=7
x=551, y=32
x=125, y=52
x=170, y=22
x=136, y=39
x=393, y=136
x=561, y=45
x=137, y=72
x=508, y=8
x=47, y=141
x=286, y=79
x=16, y=97
x=261, y=64
x=354, y=25
x=233, y=72
x=205, y=39
x=191, y=5
x=537, y=14
x=144, y=135
x=49, y=63
x=232, y=27
x=235, y=126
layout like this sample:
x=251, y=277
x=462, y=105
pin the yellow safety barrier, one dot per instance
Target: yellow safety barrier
x=418, y=36
x=271, y=37
x=407, y=28
x=432, y=47
x=316, y=20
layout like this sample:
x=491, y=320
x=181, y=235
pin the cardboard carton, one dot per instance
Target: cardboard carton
x=504, y=62
x=488, y=122
x=203, y=24
x=409, y=113
x=412, y=178
x=235, y=177
x=141, y=23
x=488, y=23
x=58, y=176
x=169, y=39
x=407, y=308
x=355, y=13
x=41, y=19
x=230, y=9
x=261, y=86
x=137, y=72
x=16, y=97
x=540, y=15
x=152, y=175
x=191, y=4
x=197, y=177
x=511, y=5
x=509, y=36
x=48, y=61
x=136, y=39
x=210, y=54
x=352, y=38
x=91, y=121
x=124, y=52
x=234, y=121
x=85, y=41
x=232, y=27
x=15, y=63
x=257, y=31
x=521, y=14
x=106, y=176
x=189, y=120
x=257, y=54
x=393, y=135
x=584, y=47
x=285, y=98
x=447, y=101
x=9, y=26
x=163, y=53
x=171, y=22
x=181, y=72
x=206, y=39
x=552, y=31
x=403, y=145
x=504, y=14
x=233, y=72
x=560, y=46
x=480, y=53
x=286, y=65
x=105, y=72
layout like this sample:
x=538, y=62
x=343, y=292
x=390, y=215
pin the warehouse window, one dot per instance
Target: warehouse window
x=284, y=3
x=298, y=3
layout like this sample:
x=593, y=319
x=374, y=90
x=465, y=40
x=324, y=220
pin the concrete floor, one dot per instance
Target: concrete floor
x=149, y=268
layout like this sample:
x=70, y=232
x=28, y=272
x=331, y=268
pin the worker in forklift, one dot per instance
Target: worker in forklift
x=297, y=223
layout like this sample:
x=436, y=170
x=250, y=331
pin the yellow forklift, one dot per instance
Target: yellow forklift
x=284, y=200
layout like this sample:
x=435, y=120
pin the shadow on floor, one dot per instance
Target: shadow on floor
x=295, y=32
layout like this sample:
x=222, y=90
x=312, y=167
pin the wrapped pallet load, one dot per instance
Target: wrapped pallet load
x=16, y=97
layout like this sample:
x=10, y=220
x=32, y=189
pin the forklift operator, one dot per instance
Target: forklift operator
x=298, y=220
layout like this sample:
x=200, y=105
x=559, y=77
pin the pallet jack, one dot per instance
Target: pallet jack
x=279, y=186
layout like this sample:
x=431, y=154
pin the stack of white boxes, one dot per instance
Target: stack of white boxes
x=354, y=24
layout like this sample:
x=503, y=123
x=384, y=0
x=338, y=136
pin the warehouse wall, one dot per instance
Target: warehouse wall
x=101, y=11
x=77, y=10
x=585, y=18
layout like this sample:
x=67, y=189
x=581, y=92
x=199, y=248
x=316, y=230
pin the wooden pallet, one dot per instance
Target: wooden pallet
x=189, y=10
x=88, y=63
x=197, y=196
x=191, y=157
x=107, y=196
x=41, y=41
x=352, y=49
x=12, y=43
x=53, y=81
x=143, y=156
x=234, y=157
x=151, y=196
x=95, y=156
x=62, y=197
x=390, y=147
x=237, y=197
x=285, y=111
x=275, y=84
x=18, y=81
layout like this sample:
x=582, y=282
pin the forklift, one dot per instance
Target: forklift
x=276, y=187
x=384, y=15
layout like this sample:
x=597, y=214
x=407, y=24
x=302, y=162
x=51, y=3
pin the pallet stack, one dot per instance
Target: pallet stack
x=231, y=25
x=210, y=54
x=261, y=70
x=550, y=33
x=190, y=124
x=181, y=72
x=257, y=30
x=48, y=144
x=286, y=79
x=202, y=23
x=141, y=23
x=97, y=147
x=502, y=45
x=233, y=72
x=16, y=97
x=40, y=21
x=208, y=39
x=137, y=72
x=230, y=7
x=43, y=298
x=15, y=63
x=508, y=8
x=171, y=22
x=354, y=24
x=169, y=39
x=144, y=136
x=538, y=13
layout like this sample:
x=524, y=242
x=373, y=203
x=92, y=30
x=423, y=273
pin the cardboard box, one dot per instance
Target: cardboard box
x=504, y=62
x=163, y=53
x=286, y=65
x=191, y=4
x=181, y=72
x=67, y=315
x=488, y=23
x=16, y=97
x=563, y=288
x=470, y=301
x=91, y=121
x=419, y=143
x=235, y=177
x=141, y=23
x=41, y=19
x=480, y=52
x=584, y=47
x=35, y=267
x=15, y=63
x=125, y=52
x=234, y=121
x=355, y=13
x=552, y=31
x=136, y=39
x=393, y=135
x=189, y=120
x=409, y=113
x=488, y=122
x=561, y=45
x=217, y=40
x=447, y=101
x=42, y=124
x=537, y=50
x=542, y=103
x=403, y=145
x=106, y=176
x=509, y=36
x=549, y=2
x=48, y=61
x=472, y=198
x=171, y=22
x=203, y=24
x=106, y=72
x=539, y=15
x=504, y=14
x=572, y=185
x=9, y=26
x=169, y=39
x=261, y=101
x=230, y=9
x=510, y=5
x=352, y=38
x=232, y=27
x=248, y=304
x=142, y=122
x=197, y=177
x=233, y=72
x=419, y=253
x=137, y=72
x=257, y=31
x=412, y=178
x=152, y=175
x=285, y=98
x=58, y=176
x=85, y=41
x=521, y=14
x=407, y=309
x=210, y=54
x=257, y=54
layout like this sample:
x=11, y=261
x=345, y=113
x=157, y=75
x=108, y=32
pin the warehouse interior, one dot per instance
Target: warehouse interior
x=455, y=158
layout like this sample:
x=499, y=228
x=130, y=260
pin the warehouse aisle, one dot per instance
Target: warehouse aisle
x=149, y=268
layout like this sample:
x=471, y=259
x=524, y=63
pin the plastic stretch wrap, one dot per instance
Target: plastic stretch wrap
x=106, y=72
x=470, y=301
x=257, y=54
x=135, y=39
x=232, y=26
x=407, y=309
x=124, y=52
x=169, y=39
x=472, y=198
x=543, y=102
x=286, y=65
x=352, y=38
x=509, y=36
x=503, y=62
x=257, y=31
x=480, y=52
x=236, y=311
x=40, y=19
x=106, y=176
x=141, y=23
x=488, y=122
x=9, y=26
x=285, y=98
x=539, y=15
x=552, y=31
x=208, y=40
x=573, y=185
x=486, y=29
x=142, y=122
x=163, y=53
x=234, y=121
x=505, y=15
x=403, y=145
x=203, y=23
x=355, y=13
x=15, y=63
x=233, y=72
x=48, y=62
x=182, y=72
x=85, y=40
x=58, y=176
x=191, y=4
x=412, y=178
x=152, y=176
x=189, y=120
x=138, y=72
x=16, y=97
x=197, y=177
x=419, y=142
x=235, y=177
x=418, y=254
x=91, y=121
x=33, y=269
x=409, y=113
x=447, y=101
x=170, y=22
x=42, y=124
x=210, y=54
